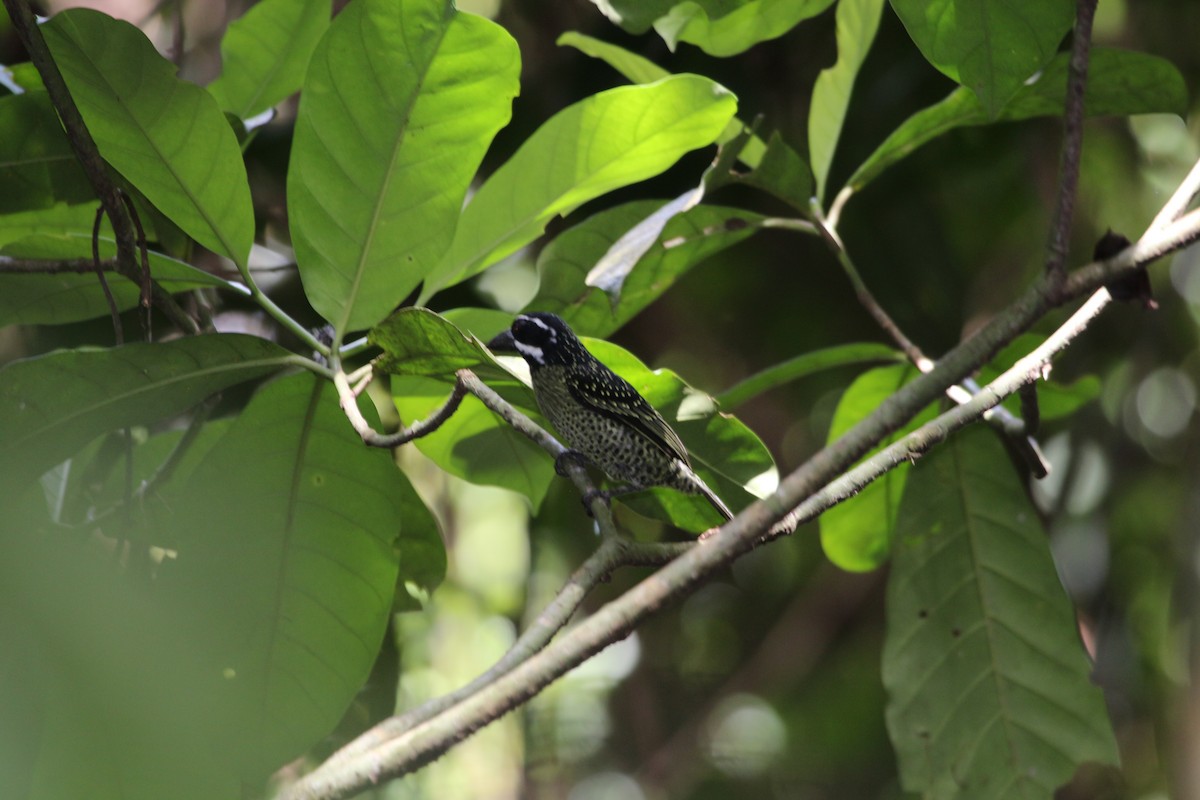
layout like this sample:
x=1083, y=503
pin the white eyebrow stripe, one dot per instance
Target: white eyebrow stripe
x=529, y=351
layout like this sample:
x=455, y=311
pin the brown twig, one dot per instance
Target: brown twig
x=118, y=329
x=1068, y=181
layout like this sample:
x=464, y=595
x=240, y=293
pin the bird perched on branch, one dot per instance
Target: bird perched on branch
x=600, y=415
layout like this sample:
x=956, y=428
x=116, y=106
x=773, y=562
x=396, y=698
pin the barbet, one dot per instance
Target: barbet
x=599, y=414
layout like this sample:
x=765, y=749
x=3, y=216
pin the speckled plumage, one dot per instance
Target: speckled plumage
x=598, y=413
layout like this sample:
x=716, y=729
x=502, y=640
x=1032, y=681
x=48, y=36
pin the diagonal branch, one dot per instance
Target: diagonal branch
x=684, y=574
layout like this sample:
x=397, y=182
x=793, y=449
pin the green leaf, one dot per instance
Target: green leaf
x=802, y=366
x=607, y=141
x=990, y=46
x=718, y=31
x=398, y=109
x=857, y=534
x=288, y=579
x=564, y=264
x=37, y=166
x=56, y=220
x=634, y=67
x=422, y=553
x=779, y=170
x=635, y=16
x=264, y=54
x=52, y=405
x=857, y=22
x=165, y=135
x=1119, y=83
x=69, y=297
x=416, y=341
x=729, y=457
x=474, y=444
x=989, y=690
x=642, y=70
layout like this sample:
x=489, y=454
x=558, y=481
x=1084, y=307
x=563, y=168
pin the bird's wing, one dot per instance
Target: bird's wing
x=611, y=395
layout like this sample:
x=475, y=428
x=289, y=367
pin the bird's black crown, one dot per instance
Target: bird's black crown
x=542, y=339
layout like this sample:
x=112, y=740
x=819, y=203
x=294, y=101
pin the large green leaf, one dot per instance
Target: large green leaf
x=1119, y=82
x=643, y=70
x=416, y=341
x=165, y=135
x=68, y=296
x=730, y=458
x=857, y=21
x=264, y=54
x=990, y=46
x=721, y=28
x=857, y=534
x=607, y=141
x=56, y=220
x=564, y=264
x=989, y=691
x=52, y=405
x=803, y=365
x=37, y=166
x=288, y=579
x=398, y=109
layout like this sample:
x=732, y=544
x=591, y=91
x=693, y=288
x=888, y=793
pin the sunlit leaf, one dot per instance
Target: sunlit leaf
x=635, y=16
x=990, y=46
x=264, y=54
x=857, y=534
x=416, y=341
x=693, y=236
x=989, y=689
x=52, y=405
x=1119, y=82
x=857, y=21
x=723, y=29
x=165, y=135
x=399, y=106
x=781, y=171
x=609, y=140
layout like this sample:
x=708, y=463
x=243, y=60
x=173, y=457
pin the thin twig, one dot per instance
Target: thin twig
x=349, y=402
x=33, y=266
x=118, y=329
x=1068, y=181
x=147, y=281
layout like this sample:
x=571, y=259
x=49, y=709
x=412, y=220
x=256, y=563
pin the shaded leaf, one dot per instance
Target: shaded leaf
x=69, y=297
x=52, y=405
x=1119, y=82
x=475, y=444
x=37, y=166
x=782, y=172
x=989, y=690
x=857, y=534
x=604, y=142
x=399, y=106
x=56, y=220
x=693, y=236
x=719, y=31
x=635, y=16
x=288, y=580
x=857, y=22
x=265, y=53
x=990, y=46
x=165, y=135
x=803, y=365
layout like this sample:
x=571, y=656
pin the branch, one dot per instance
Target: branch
x=681, y=576
x=33, y=266
x=1064, y=209
x=348, y=398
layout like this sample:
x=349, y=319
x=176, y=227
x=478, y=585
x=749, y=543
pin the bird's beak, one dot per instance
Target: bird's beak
x=503, y=343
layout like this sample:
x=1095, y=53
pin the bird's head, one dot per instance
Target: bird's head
x=541, y=339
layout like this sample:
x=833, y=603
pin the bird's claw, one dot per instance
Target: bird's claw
x=592, y=494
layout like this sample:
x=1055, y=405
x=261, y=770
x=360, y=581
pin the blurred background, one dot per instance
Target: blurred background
x=765, y=683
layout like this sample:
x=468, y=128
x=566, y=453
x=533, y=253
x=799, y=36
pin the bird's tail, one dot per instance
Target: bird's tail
x=711, y=496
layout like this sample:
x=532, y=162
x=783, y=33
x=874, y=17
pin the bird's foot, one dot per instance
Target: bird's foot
x=564, y=459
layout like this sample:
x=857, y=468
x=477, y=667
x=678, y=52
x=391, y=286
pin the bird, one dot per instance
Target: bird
x=604, y=420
